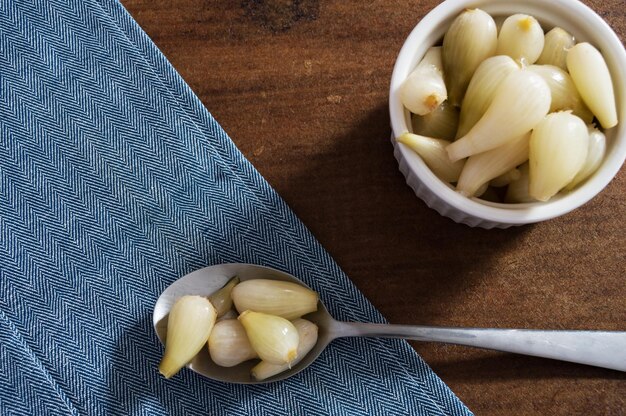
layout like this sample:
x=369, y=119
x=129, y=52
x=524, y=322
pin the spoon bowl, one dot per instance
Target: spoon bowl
x=208, y=280
x=598, y=348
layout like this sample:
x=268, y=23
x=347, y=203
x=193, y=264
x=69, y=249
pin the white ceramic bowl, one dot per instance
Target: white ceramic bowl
x=572, y=16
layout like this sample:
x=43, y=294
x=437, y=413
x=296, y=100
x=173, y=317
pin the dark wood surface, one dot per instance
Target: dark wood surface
x=301, y=87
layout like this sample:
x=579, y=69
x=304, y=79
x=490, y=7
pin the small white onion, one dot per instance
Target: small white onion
x=593, y=80
x=558, y=150
x=565, y=96
x=221, y=300
x=521, y=37
x=307, y=332
x=481, y=90
x=286, y=299
x=189, y=325
x=229, y=344
x=424, y=89
x=557, y=43
x=521, y=101
x=471, y=38
x=595, y=156
x=274, y=339
x=433, y=152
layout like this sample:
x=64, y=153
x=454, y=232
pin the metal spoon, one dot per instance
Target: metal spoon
x=598, y=348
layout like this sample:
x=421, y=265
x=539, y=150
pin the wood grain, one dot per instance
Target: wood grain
x=301, y=87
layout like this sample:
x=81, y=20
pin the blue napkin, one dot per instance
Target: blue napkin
x=116, y=181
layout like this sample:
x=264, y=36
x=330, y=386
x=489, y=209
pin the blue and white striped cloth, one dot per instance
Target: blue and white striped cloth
x=114, y=182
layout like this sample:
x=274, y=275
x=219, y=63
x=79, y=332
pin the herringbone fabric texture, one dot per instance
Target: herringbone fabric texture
x=115, y=181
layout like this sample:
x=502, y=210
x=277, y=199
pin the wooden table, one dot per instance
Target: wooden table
x=301, y=87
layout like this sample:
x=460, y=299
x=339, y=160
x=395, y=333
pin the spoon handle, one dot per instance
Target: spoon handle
x=598, y=348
